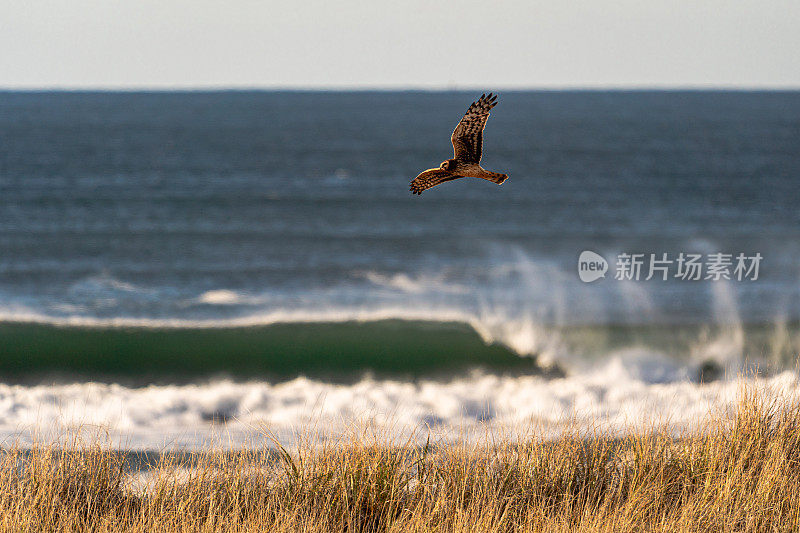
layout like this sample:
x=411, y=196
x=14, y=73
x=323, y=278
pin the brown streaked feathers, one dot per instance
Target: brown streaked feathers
x=467, y=138
x=431, y=178
x=467, y=142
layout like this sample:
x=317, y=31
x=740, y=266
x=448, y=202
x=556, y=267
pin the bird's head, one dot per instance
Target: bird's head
x=449, y=164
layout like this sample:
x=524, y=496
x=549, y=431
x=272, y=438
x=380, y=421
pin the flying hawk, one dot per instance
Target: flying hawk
x=467, y=142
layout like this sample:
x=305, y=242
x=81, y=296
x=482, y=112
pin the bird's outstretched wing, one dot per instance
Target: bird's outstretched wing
x=431, y=178
x=467, y=138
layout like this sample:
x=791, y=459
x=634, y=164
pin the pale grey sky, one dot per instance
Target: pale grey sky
x=401, y=43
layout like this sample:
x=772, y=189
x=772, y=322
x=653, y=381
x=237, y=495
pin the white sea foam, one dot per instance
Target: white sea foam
x=228, y=297
x=417, y=284
x=615, y=397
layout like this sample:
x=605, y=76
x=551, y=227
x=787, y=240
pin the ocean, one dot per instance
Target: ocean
x=180, y=267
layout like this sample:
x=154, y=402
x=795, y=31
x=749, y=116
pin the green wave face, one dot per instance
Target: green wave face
x=340, y=351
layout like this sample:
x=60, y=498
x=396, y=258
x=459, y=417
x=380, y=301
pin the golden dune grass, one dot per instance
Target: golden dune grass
x=740, y=473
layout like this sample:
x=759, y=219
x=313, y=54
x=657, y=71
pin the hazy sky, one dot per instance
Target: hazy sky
x=401, y=43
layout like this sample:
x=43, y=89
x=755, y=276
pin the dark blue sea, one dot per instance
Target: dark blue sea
x=260, y=241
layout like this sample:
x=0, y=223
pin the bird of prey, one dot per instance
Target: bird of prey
x=467, y=142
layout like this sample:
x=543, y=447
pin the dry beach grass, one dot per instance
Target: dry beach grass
x=739, y=472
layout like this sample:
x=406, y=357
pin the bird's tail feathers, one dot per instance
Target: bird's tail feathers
x=497, y=178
